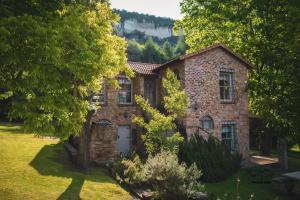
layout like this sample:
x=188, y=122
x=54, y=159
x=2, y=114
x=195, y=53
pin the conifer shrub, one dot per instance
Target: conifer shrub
x=214, y=160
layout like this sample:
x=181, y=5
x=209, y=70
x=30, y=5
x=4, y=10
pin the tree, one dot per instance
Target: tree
x=175, y=104
x=180, y=47
x=134, y=51
x=168, y=50
x=55, y=62
x=267, y=33
x=152, y=52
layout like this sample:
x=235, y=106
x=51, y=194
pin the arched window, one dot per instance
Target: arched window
x=206, y=122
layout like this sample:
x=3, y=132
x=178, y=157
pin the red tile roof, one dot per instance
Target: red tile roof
x=143, y=68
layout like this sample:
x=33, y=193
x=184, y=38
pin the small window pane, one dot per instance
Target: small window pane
x=125, y=92
x=206, y=123
x=228, y=136
x=100, y=97
x=226, y=85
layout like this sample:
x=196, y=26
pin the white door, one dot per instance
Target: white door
x=123, y=142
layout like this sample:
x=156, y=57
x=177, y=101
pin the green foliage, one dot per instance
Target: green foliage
x=139, y=51
x=164, y=174
x=216, y=163
x=54, y=62
x=152, y=52
x=175, y=103
x=176, y=100
x=265, y=32
x=168, y=50
x=171, y=179
x=181, y=47
x=134, y=171
x=134, y=51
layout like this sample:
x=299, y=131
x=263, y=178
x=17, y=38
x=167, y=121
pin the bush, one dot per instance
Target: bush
x=214, y=160
x=162, y=173
x=170, y=179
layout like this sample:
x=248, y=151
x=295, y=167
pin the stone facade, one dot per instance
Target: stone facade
x=202, y=85
x=103, y=147
x=199, y=75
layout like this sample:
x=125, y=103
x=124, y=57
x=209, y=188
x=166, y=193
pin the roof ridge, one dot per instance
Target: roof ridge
x=143, y=63
x=203, y=50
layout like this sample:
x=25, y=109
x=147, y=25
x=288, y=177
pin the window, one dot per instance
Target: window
x=228, y=135
x=206, y=123
x=125, y=92
x=226, y=85
x=101, y=96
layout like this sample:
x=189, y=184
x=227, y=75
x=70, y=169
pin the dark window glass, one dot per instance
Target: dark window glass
x=125, y=92
x=226, y=86
x=206, y=123
x=228, y=136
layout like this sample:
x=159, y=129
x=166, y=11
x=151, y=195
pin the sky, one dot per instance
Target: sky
x=162, y=8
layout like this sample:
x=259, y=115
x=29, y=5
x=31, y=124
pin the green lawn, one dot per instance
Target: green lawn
x=35, y=168
x=246, y=187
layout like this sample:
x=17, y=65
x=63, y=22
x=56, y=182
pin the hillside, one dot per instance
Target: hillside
x=139, y=27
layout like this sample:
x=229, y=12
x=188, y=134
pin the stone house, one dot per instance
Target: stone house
x=215, y=80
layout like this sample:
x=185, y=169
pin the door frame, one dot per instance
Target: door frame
x=130, y=136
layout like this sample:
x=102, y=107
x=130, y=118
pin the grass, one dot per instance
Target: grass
x=34, y=168
x=228, y=188
x=295, y=148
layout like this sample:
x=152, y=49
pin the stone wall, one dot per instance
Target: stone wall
x=199, y=76
x=202, y=85
x=104, y=138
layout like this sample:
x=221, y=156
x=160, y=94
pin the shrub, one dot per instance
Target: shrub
x=129, y=170
x=175, y=104
x=215, y=161
x=134, y=171
x=170, y=179
x=163, y=173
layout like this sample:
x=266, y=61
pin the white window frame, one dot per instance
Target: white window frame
x=131, y=91
x=232, y=137
x=206, y=119
x=230, y=74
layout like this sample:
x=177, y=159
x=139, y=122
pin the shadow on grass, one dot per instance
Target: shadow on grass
x=11, y=128
x=53, y=160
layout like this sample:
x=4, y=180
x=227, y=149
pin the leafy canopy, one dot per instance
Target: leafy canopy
x=53, y=63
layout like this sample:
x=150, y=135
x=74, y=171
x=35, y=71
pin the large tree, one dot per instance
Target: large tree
x=267, y=32
x=54, y=61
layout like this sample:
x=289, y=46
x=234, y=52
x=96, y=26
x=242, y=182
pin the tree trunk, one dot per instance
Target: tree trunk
x=282, y=154
x=83, y=157
x=266, y=143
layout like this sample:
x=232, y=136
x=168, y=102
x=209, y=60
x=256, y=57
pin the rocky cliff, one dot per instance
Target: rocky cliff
x=141, y=26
